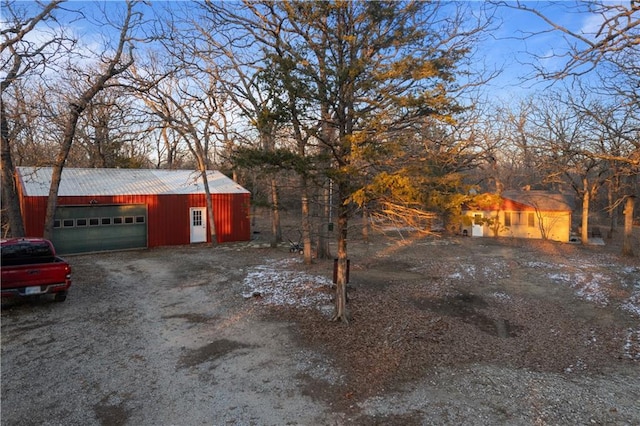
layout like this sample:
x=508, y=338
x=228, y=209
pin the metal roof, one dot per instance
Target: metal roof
x=36, y=181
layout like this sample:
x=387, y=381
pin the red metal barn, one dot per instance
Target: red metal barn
x=117, y=209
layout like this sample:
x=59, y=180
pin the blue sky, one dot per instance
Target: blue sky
x=505, y=48
x=522, y=34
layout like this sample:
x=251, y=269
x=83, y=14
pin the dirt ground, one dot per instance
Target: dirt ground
x=444, y=330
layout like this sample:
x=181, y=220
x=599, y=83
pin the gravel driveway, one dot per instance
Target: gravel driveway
x=154, y=337
x=182, y=336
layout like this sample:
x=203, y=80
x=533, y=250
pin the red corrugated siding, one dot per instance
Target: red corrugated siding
x=231, y=217
x=168, y=220
x=168, y=215
x=33, y=212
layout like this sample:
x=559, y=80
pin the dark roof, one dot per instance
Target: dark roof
x=541, y=200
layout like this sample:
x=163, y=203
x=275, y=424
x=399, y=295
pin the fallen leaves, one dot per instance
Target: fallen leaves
x=421, y=307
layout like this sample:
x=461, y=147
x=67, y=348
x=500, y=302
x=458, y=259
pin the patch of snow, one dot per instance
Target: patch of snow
x=275, y=284
x=437, y=242
x=501, y=296
x=399, y=228
x=560, y=277
x=463, y=271
x=632, y=304
x=542, y=265
x=496, y=270
x=632, y=344
x=593, y=293
x=591, y=287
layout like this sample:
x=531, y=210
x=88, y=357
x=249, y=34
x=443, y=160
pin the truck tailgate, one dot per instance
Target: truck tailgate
x=34, y=275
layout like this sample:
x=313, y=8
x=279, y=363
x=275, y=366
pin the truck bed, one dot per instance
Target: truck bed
x=34, y=279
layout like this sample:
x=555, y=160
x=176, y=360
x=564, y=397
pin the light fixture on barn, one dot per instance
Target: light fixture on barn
x=94, y=201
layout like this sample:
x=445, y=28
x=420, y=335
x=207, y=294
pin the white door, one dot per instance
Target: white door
x=198, y=218
x=476, y=228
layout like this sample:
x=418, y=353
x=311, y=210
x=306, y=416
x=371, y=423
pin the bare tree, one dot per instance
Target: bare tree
x=571, y=149
x=187, y=97
x=112, y=132
x=608, y=48
x=187, y=105
x=112, y=64
x=227, y=35
x=520, y=159
x=20, y=58
x=616, y=130
x=611, y=37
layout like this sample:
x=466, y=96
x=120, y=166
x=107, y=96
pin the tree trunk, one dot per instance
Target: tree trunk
x=627, y=242
x=341, y=313
x=323, y=229
x=61, y=159
x=585, y=212
x=211, y=217
x=327, y=137
x=613, y=211
x=306, y=224
x=253, y=204
x=10, y=199
x=365, y=224
x=276, y=230
x=169, y=147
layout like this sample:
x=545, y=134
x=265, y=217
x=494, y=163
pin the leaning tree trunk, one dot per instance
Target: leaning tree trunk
x=61, y=159
x=585, y=212
x=10, y=198
x=627, y=242
x=341, y=273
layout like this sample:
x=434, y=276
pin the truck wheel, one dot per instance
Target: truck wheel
x=60, y=296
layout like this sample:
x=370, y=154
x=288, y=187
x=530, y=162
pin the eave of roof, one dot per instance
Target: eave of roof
x=513, y=200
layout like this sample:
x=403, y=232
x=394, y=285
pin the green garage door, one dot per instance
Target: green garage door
x=81, y=229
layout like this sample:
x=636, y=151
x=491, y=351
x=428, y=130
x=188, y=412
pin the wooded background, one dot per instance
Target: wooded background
x=381, y=109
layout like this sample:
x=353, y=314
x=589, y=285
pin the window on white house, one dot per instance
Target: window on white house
x=507, y=218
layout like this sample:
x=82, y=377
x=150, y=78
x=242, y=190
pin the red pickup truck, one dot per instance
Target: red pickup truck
x=30, y=267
